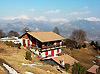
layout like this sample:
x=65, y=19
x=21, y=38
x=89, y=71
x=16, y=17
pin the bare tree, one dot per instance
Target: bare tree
x=56, y=30
x=12, y=33
x=25, y=29
x=2, y=34
x=78, y=35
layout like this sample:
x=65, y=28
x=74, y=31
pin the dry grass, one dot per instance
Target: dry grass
x=2, y=70
x=84, y=55
x=15, y=57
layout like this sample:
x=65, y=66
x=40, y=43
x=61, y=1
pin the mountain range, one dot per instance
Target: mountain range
x=92, y=28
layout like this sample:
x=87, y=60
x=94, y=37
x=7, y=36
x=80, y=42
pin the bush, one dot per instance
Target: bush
x=78, y=69
x=28, y=56
x=69, y=43
x=79, y=46
x=19, y=45
x=97, y=44
x=12, y=44
x=84, y=45
x=67, y=66
x=98, y=71
x=76, y=47
x=92, y=43
x=99, y=47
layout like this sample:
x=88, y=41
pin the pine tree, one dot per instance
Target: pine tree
x=67, y=66
x=78, y=69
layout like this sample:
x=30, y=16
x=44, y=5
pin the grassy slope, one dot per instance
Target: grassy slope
x=3, y=71
x=84, y=55
x=15, y=57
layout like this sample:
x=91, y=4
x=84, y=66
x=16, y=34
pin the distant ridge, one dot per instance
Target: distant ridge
x=91, y=27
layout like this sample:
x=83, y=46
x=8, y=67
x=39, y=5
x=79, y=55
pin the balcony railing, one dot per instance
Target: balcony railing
x=47, y=48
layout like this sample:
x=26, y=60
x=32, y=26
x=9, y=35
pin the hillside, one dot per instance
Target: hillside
x=84, y=55
x=16, y=59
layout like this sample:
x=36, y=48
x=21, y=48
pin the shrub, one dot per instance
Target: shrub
x=19, y=45
x=92, y=43
x=79, y=46
x=67, y=66
x=12, y=44
x=97, y=44
x=28, y=56
x=69, y=43
x=78, y=69
x=76, y=47
x=98, y=70
x=99, y=47
x=84, y=45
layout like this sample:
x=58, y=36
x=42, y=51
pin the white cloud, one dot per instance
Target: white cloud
x=89, y=19
x=59, y=20
x=32, y=10
x=79, y=13
x=52, y=11
x=79, y=18
x=92, y=19
x=19, y=17
x=22, y=17
x=41, y=18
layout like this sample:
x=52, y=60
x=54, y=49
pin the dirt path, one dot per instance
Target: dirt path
x=1, y=64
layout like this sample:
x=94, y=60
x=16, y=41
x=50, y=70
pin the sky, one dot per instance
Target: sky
x=54, y=10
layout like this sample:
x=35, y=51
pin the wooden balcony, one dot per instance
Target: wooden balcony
x=47, y=48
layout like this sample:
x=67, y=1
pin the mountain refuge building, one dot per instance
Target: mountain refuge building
x=44, y=44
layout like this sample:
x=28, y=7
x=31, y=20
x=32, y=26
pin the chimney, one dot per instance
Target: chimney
x=26, y=31
x=62, y=62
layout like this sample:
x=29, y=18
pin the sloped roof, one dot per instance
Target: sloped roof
x=67, y=59
x=93, y=69
x=46, y=36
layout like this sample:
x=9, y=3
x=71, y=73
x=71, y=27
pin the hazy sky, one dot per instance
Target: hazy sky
x=65, y=9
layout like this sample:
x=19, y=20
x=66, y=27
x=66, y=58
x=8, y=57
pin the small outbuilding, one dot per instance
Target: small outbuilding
x=61, y=60
x=65, y=59
x=93, y=69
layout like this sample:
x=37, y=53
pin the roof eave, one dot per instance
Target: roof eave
x=52, y=40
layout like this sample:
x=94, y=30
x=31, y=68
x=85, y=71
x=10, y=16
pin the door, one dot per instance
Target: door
x=52, y=53
x=24, y=43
